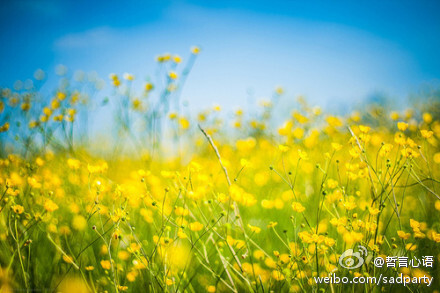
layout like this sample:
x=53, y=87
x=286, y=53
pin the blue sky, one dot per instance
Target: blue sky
x=326, y=50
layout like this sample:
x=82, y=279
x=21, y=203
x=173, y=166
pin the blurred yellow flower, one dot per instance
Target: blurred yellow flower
x=297, y=207
x=50, y=206
x=105, y=264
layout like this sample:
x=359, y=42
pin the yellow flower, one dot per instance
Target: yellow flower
x=373, y=211
x=55, y=104
x=426, y=133
x=128, y=76
x=149, y=86
x=334, y=121
x=385, y=149
x=79, y=223
x=131, y=276
x=411, y=247
x=177, y=59
x=352, y=237
x=259, y=254
x=277, y=275
x=279, y=90
x=123, y=255
x=184, y=123
x=61, y=96
x=67, y=258
x=89, y=268
x=195, y=50
x=409, y=153
x=336, y=146
x=181, y=234
x=437, y=205
x=33, y=124
x=50, y=206
x=4, y=127
x=105, y=264
x=436, y=158
x=58, y=118
x=73, y=164
x=272, y=224
x=427, y=117
x=196, y=226
x=403, y=235
x=331, y=183
x=302, y=155
x=254, y=229
x=100, y=168
x=285, y=129
x=435, y=236
x=18, y=209
x=172, y=75
x=39, y=161
x=364, y=129
x=297, y=207
x=116, y=82
x=394, y=116
x=300, y=118
x=25, y=106
x=402, y=126
x=211, y=289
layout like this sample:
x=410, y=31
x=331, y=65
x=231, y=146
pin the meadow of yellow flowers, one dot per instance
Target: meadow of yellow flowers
x=169, y=202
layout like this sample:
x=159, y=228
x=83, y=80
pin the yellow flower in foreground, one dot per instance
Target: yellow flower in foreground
x=211, y=289
x=18, y=209
x=297, y=207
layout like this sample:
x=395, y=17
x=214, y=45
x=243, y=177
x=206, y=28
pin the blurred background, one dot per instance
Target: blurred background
x=329, y=51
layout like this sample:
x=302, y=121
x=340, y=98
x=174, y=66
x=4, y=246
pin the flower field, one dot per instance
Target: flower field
x=170, y=201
